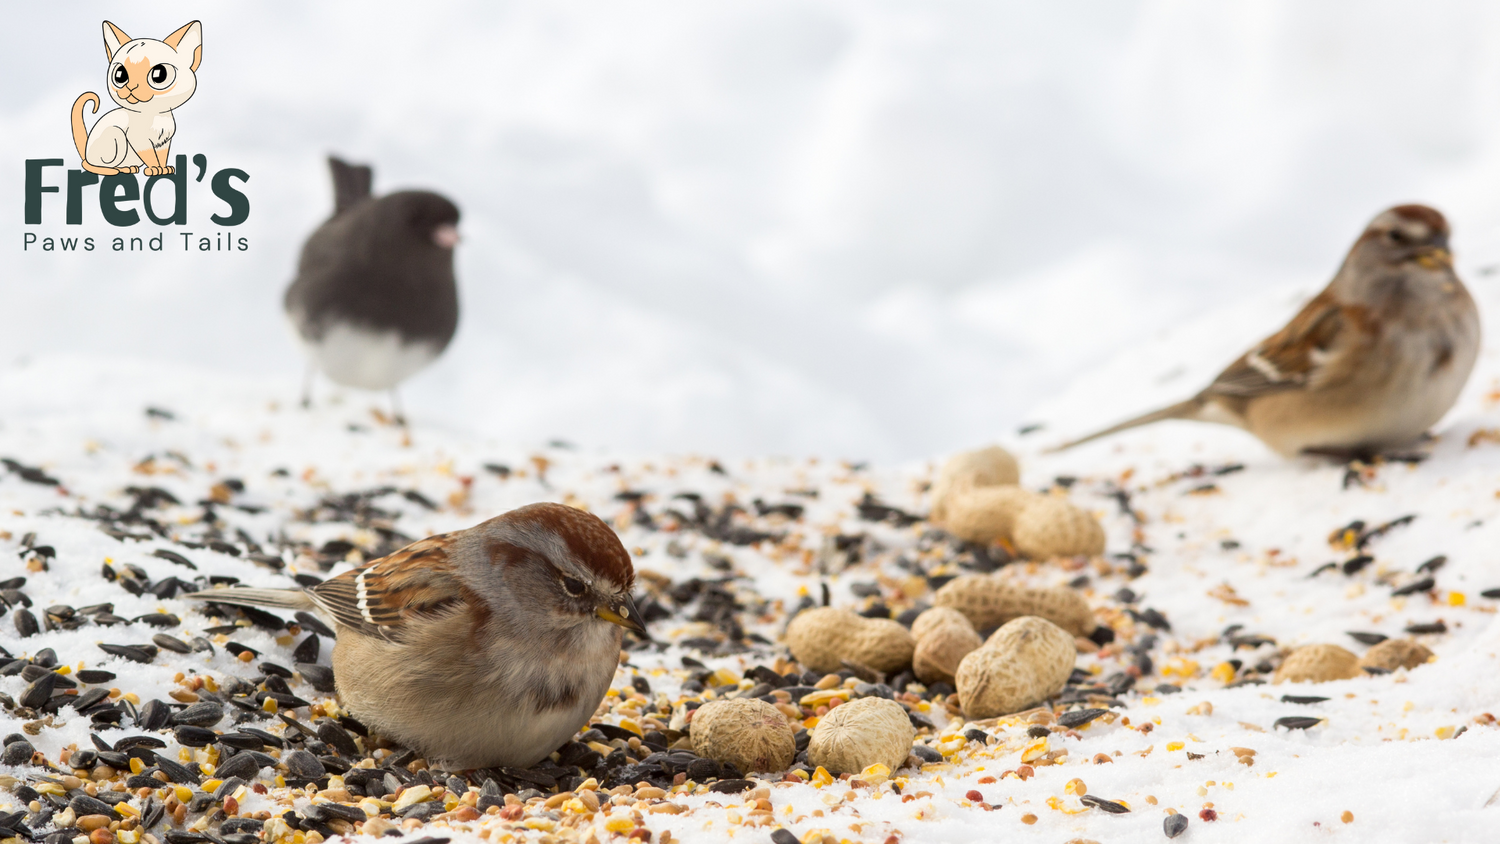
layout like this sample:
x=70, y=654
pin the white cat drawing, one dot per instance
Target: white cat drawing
x=148, y=79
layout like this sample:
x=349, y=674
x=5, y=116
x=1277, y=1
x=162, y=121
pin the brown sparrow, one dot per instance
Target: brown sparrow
x=1369, y=364
x=486, y=647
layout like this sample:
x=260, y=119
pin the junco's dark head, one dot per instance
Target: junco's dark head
x=423, y=216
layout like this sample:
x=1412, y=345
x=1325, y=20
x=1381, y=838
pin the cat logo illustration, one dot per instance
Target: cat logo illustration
x=148, y=80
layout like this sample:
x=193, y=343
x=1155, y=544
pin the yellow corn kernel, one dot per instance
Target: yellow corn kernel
x=1076, y=786
x=1456, y=599
x=127, y=809
x=876, y=774
x=269, y=704
x=51, y=788
x=723, y=677
x=211, y=786
x=128, y=836
x=132, y=697
x=1223, y=672
x=1444, y=732
x=621, y=824
x=1034, y=751
x=1175, y=745
x=823, y=697
x=182, y=793
x=64, y=669
x=626, y=723
x=821, y=777
x=136, y=765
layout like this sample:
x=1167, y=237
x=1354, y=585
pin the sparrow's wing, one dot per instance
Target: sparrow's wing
x=378, y=597
x=1292, y=358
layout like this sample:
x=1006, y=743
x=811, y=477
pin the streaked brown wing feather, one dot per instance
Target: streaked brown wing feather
x=378, y=596
x=1288, y=359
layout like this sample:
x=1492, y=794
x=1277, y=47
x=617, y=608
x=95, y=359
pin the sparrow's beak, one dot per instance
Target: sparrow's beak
x=624, y=614
x=1435, y=257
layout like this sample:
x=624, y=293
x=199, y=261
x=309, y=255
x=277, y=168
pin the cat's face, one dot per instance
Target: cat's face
x=153, y=76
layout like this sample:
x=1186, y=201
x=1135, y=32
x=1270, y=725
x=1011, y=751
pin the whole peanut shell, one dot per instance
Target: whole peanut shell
x=993, y=466
x=864, y=732
x=1318, y=664
x=747, y=732
x=1395, y=653
x=1025, y=661
x=988, y=602
x=823, y=637
x=1051, y=527
x=944, y=637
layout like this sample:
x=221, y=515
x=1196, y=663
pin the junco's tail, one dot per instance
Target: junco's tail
x=1182, y=410
x=287, y=599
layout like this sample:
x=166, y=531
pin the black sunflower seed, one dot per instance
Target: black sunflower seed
x=130, y=742
x=242, y=741
x=1423, y=585
x=241, y=765
x=134, y=653
x=1429, y=627
x=1174, y=825
x=1368, y=638
x=175, y=772
x=154, y=715
x=26, y=623
x=94, y=675
x=1490, y=593
x=159, y=619
x=274, y=670
x=1354, y=564
x=1079, y=717
x=269, y=739
x=1103, y=805
x=39, y=691
x=1302, y=699
x=303, y=765
x=204, y=713
x=173, y=556
x=1297, y=722
x=313, y=623
x=731, y=786
x=82, y=804
x=171, y=643
x=784, y=836
x=17, y=753
x=90, y=699
x=308, y=649
x=189, y=736
x=236, y=648
x=334, y=736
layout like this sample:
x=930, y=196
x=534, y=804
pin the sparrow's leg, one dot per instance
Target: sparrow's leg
x=307, y=385
x=396, y=414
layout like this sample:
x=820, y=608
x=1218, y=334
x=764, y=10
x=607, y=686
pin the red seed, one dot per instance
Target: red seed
x=1209, y=815
x=975, y=796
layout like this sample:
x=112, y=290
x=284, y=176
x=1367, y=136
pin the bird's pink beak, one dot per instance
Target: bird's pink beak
x=445, y=235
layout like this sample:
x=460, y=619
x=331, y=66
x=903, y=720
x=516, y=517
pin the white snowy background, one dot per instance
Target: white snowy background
x=863, y=229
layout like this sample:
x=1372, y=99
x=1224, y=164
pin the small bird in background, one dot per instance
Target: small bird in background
x=1368, y=365
x=374, y=300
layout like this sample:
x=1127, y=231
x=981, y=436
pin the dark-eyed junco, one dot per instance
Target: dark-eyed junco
x=374, y=300
x=1369, y=364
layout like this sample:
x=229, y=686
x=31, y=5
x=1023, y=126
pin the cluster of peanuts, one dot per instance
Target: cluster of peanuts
x=977, y=498
x=1322, y=663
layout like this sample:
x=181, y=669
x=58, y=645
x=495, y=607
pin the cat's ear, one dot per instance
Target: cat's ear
x=189, y=39
x=114, y=38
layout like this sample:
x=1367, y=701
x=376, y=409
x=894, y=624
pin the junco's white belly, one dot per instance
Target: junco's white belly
x=369, y=359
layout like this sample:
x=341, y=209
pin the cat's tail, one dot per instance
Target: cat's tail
x=81, y=132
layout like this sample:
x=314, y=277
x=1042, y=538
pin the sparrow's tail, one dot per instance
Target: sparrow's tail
x=287, y=599
x=1182, y=410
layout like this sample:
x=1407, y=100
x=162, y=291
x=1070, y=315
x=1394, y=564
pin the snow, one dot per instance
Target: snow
x=831, y=230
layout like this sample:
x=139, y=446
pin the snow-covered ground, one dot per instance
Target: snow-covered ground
x=1228, y=535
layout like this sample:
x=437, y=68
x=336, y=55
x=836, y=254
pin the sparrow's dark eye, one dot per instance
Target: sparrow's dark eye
x=1396, y=236
x=162, y=76
x=118, y=76
x=573, y=586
